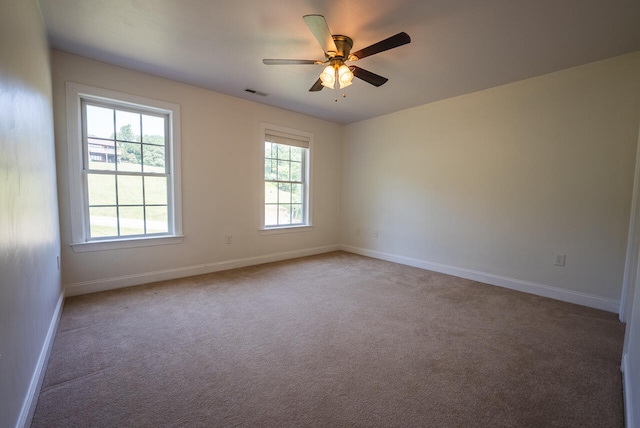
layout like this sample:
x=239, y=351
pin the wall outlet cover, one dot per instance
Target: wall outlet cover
x=559, y=259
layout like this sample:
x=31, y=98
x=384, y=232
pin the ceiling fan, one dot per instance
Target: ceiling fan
x=337, y=50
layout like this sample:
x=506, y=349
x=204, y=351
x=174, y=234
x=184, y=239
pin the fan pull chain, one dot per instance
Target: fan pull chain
x=337, y=87
x=344, y=95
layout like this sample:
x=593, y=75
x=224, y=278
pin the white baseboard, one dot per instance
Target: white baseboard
x=583, y=299
x=578, y=298
x=104, y=284
x=627, y=393
x=30, y=401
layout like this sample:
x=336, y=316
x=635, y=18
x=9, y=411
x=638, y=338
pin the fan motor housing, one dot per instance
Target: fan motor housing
x=344, y=45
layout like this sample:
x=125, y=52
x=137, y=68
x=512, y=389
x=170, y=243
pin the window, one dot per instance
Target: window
x=286, y=178
x=124, y=170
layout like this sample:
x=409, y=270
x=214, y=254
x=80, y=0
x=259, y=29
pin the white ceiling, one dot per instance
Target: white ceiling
x=457, y=46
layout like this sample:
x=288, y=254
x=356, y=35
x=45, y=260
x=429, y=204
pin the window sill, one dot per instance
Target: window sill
x=285, y=229
x=117, y=244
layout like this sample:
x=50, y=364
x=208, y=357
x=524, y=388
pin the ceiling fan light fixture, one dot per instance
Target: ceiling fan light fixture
x=345, y=76
x=327, y=77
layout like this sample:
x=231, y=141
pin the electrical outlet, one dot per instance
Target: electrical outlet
x=227, y=239
x=559, y=259
x=375, y=233
x=358, y=232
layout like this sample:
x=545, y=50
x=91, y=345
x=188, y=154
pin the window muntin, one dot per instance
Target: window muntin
x=126, y=171
x=286, y=172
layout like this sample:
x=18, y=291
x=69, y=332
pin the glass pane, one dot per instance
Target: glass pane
x=283, y=151
x=267, y=150
x=130, y=155
x=267, y=169
x=296, y=171
x=271, y=215
x=270, y=169
x=101, y=189
x=283, y=170
x=130, y=190
x=284, y=193
x=284, y=214
x=296, y=193
x=153, y=158
x=153, y=129
x=270, y=193
x=157, y=220
x=103, y=221
x=128, y=126
x=296, y=213
x=155, y=190
x=131, y=221
x=102, y=154
x=296, y=154
x=99, y=122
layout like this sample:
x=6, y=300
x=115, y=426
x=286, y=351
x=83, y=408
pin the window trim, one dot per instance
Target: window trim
x=308, y=225
x=75, y=93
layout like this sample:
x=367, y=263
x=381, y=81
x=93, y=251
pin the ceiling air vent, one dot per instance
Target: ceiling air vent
x=253, y=91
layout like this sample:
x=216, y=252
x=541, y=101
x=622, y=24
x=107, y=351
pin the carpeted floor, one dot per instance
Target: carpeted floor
x=331, y=340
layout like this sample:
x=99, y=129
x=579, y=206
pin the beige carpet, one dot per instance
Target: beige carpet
x=331, y=340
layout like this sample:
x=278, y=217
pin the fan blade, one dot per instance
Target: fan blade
x=384, y=45
x=289, y=61
x=368, y=76
x=316, y=86
x=318, y=26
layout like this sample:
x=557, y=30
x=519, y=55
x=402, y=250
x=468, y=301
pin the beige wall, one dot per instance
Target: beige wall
x=490, y=185
x=30, y=290
x=493, y=184
x=221, y=172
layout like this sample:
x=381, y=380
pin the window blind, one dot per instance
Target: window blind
x=284, y=138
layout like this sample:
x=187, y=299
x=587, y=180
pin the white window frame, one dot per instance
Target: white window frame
x=308, y=188
x=80, y=241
